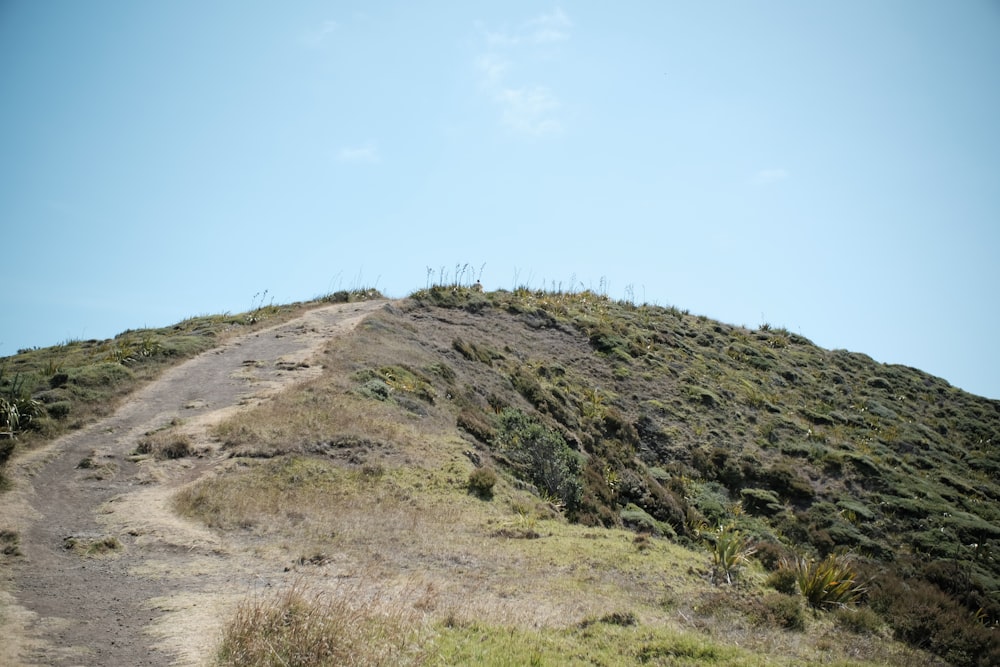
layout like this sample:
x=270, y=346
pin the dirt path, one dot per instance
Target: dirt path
x=138, y=603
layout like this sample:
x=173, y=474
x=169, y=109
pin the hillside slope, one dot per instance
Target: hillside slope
x=682, y=424
x=557, y=478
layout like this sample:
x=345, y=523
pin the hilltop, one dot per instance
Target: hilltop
x=560, y=477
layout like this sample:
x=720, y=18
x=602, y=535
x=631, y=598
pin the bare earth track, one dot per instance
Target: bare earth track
x=159, y=596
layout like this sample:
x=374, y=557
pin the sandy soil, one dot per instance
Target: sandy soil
x=161, y=597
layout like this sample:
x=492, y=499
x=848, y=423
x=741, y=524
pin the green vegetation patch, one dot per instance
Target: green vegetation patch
x=599, y=643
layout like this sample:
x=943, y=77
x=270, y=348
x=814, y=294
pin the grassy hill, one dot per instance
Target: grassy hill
x=558, y=478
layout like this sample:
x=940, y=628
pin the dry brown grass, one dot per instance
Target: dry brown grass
x=319, y=417
x=93, y=546
x=300, y=626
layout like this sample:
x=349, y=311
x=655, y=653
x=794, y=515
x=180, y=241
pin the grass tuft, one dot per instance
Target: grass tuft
x=299, y=627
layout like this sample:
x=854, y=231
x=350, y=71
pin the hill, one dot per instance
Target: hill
x=515, y=476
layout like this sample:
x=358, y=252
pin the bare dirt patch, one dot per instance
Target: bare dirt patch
x=100, y=558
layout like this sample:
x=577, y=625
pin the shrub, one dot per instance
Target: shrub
x=540, y=455
x=165, y=445
x=771, y=554
x=761, y=501
x=340, y=296
x=788, y=481
x=730, y=551
x=783, y=611
x=925, y=616
x=860, y=621
x=783, y=580
x=474, y=352
x=635, y=517
x=828, y=583
x=59, y=409
x=482, y=481
x=475, y=422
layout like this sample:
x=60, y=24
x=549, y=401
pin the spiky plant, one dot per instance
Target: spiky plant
x=731, y=550
x=828, y=583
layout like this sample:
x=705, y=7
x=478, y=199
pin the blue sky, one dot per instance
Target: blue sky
x=829, y=167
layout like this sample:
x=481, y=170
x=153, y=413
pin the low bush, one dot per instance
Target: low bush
x=476, y=423
x=771, y=554
x=782, y=611
x=637, y=518
x=828, y=583
x=761, y=501
x=925, y=616
x=859, y=620
x=784, y=580
x=165, y=445
x=540, y=455
x=59, y=409
x=731, y=550
x=482, y=481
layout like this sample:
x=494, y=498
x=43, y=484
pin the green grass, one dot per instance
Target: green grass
x=595, y=644
x=45, y=392
x=71, y=384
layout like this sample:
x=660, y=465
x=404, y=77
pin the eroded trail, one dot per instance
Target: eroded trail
x=101, y=554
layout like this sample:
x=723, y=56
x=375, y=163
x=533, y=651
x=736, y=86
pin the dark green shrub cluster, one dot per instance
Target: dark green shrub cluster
x=761, y=501
x=540, y=455
x=637, y=518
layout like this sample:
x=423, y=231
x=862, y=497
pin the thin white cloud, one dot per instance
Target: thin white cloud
x=367, y=154
x=529, y=110
x=769, y=176
x=547, y=28
x=501, y=38
x=542, y=29
x=318, y=37
x=525, y=108
x=492, y=69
